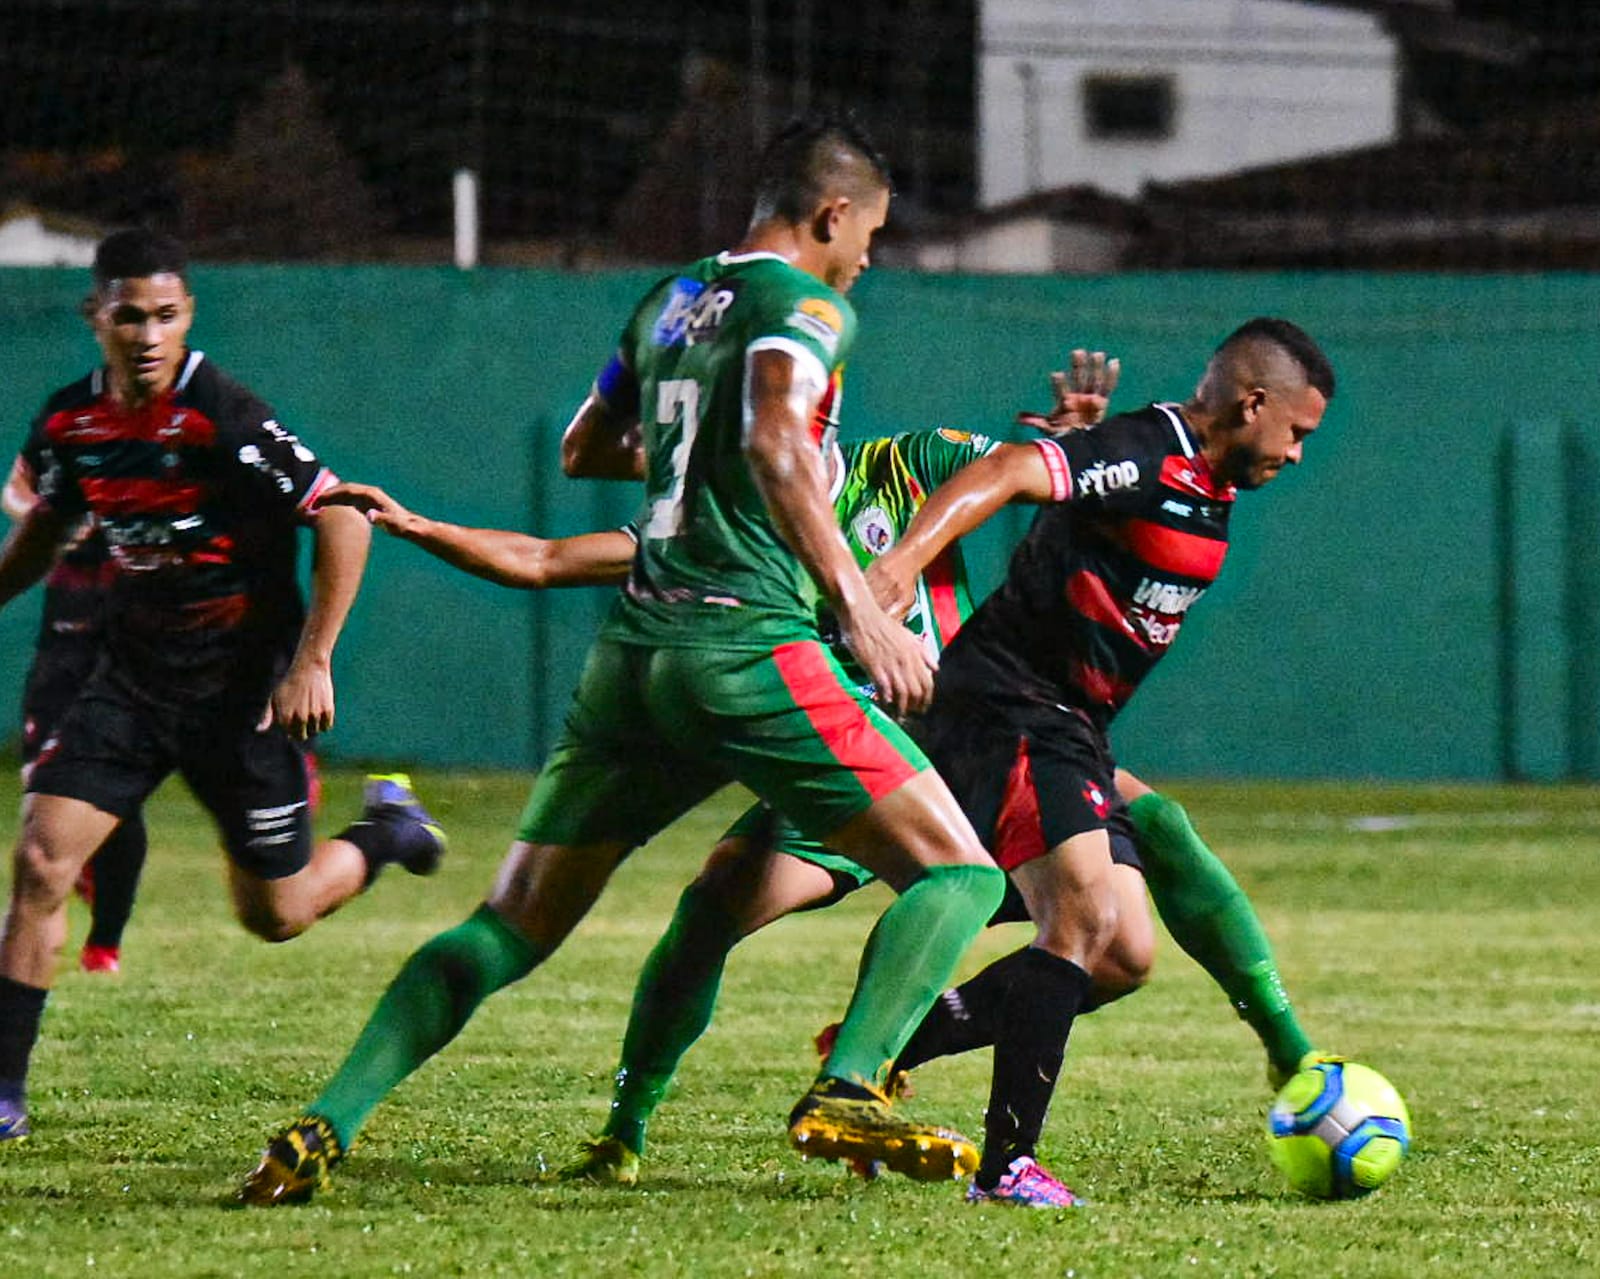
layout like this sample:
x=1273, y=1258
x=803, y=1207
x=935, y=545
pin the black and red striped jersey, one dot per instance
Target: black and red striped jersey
x=199, y=495
x=1097, y=590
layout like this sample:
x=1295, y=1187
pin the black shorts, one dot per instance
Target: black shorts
x=61, y=667
x=114, y=746
x=1028, y=777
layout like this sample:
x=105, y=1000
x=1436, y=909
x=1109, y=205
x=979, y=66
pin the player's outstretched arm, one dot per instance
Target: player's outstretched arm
x=1011, y=473
x=501, y=556
x=602, y=443
x=788, y=471
x=30, y=550
x=303, y=701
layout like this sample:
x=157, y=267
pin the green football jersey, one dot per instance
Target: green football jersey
x=879, y=486
x=711, y=569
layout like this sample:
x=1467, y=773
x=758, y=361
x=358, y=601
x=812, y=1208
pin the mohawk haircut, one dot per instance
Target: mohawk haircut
x=1289, y=338
x=136, y=253
x=811, y=157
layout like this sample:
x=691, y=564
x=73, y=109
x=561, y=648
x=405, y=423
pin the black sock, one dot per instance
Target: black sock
x=116, y=870
x=965, y=1017
x=1036, y=1017
x=379, y=841
x=21, y=1008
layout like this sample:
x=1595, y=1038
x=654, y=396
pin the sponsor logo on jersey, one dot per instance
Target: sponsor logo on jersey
x=873, y=529
x=252, y=456
x=1096, y=799
x=693, y=312
x=1166, y=597
x=675, y=310
x=1105, y=478
x=283, y=436
x=824, y=310
x=980, y=443
x=1178, y=508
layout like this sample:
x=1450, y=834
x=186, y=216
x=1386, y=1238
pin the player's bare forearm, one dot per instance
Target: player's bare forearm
x=1011, y=473
x=342, y=540
x=601, y=443
x=303, y=701
x=526, y=562
x=501, y=556
x=29, y=550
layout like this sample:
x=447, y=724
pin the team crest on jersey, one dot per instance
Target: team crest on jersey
x=693, y=312
x=873, y=529
x=820, y=320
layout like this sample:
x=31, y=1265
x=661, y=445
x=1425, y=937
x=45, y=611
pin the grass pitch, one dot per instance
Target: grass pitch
x=1449, y=937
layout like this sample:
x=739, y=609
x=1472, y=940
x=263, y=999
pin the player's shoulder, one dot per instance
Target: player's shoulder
x=207, y=387
x=74, y=395
x=64, y=405
x=1156, y=430
x=1161, y=422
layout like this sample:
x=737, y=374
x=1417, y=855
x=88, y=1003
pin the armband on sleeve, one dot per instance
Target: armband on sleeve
x=618, y=387
x=1055, y=461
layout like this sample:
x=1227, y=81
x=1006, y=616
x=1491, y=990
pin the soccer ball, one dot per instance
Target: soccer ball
x=1338, y=1130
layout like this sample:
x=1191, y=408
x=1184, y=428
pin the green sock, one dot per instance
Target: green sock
x=907, y=962
x=1210, y=916
x=425, y=1007
x=672, y=1004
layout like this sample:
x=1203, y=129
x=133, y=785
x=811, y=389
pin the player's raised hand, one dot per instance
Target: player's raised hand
x=1082, y=394
x=899, y=667
x=381, y=510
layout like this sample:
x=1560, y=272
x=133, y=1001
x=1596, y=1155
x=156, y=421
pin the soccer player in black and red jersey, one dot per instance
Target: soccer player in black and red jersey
x=213, y=666
x=1093, y=597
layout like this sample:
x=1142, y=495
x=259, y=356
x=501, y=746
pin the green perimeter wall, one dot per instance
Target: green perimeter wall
x=1368, y=623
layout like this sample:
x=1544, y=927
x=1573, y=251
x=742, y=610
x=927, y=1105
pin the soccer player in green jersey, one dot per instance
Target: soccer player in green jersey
x=710, y=669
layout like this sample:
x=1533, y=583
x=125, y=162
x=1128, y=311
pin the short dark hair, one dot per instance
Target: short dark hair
x=137, y=252
x=1293, y=341
x=812, y=155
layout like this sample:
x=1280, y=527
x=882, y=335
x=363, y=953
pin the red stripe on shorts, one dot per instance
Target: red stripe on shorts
x=1018, y=832
x=839, y=720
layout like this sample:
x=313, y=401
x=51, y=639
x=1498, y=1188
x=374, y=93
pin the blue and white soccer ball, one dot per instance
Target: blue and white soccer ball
x=1338, y=1130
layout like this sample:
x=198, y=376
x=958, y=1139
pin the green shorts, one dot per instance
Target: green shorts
x=769, y=831
x=653, y=731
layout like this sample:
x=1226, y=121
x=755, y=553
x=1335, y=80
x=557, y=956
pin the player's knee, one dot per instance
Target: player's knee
x=41, y=875
x=1083, y=932
x=263, y=920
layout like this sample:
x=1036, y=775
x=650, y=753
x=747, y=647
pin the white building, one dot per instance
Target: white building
x=1115, y=93
x=27, y=239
